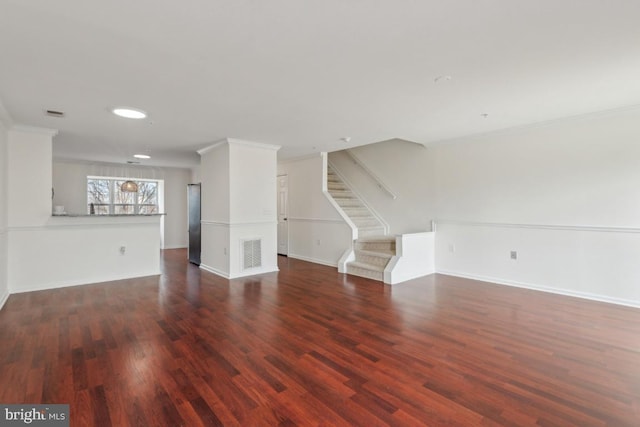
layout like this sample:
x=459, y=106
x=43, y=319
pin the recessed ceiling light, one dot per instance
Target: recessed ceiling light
x=442, y=79
x=129, y=113
x=141, y=156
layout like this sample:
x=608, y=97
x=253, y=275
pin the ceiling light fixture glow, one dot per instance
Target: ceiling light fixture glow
x=129, y=113
x=141, y=156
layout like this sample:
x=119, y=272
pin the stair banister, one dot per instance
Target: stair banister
x=381, y=185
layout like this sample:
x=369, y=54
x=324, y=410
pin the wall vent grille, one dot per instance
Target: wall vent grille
x=251, y=253
x=54, y=113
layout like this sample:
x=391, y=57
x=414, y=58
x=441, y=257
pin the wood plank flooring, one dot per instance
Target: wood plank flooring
x=309, y=346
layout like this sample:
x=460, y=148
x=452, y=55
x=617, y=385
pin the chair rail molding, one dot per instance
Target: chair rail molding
x=595, y=228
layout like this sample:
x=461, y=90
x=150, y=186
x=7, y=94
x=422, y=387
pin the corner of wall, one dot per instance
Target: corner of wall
x=4, y=277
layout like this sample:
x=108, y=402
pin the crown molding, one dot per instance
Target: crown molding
x=242, y=142
x=212, y=146
x=234, y=141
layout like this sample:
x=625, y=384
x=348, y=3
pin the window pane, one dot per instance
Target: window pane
x=98, y=191
x=147, y=193
x=148, y=209
x=123, y=209
x=99, y=209
x=107, y=198
x=121, y=197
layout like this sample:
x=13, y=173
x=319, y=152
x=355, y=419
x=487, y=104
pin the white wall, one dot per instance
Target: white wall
x=29, y=176
x=215, y=209
x=70, y=184
x=68, y=251
x=253, y=213
x=317, y=232
x=45, y=252
x=4, y=287
x=407, y=170
x=238, y=203
x=195, y=175
x=565, y=196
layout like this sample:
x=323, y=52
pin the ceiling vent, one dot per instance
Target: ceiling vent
x=55, y=113
x=251, y=253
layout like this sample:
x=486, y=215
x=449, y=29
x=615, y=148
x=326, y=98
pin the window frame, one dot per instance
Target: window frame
x=111, y=205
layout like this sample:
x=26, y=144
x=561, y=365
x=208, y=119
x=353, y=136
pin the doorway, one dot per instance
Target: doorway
x=283, y=212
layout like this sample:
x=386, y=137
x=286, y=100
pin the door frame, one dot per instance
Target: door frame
x=286, y=219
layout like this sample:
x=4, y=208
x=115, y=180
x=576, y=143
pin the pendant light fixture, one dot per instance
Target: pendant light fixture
x=129, y=187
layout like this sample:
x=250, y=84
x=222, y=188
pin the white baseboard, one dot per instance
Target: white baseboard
x=175, y=247
x=3, y=299
x=252, y=272
x=314, y=260
x=65, y=284
x=565, y=292
x=214, y=271
x=255, y=271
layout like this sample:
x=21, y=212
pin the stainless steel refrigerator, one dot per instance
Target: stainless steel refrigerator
x=193, y=191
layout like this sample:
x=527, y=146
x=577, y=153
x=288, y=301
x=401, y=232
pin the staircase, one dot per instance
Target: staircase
x=352, y=206
x=372, y=256
x=373, y=250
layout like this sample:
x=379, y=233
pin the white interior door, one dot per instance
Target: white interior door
x=283, y=211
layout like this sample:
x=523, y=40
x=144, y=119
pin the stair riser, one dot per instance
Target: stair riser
x=348, y=202
x=342, y=194
x=357, y=212
x=336, y=186
x=376, y=246
x=369, y=274
x=373, y=260
x=365, y=222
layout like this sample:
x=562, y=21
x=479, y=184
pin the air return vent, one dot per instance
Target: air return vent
x=55, y=113
x=251, y=253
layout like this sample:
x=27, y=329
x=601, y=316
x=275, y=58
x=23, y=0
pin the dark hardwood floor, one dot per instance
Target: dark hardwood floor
x=308, y=346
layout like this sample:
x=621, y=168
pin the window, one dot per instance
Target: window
x=107, y=199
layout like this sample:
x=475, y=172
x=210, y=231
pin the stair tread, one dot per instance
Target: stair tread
x=377, y=253
x=365, y=266
x=381, y=238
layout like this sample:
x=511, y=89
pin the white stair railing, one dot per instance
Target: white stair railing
x=378, y=182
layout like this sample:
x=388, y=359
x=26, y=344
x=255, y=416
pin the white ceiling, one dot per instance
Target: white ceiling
x=304, y=74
